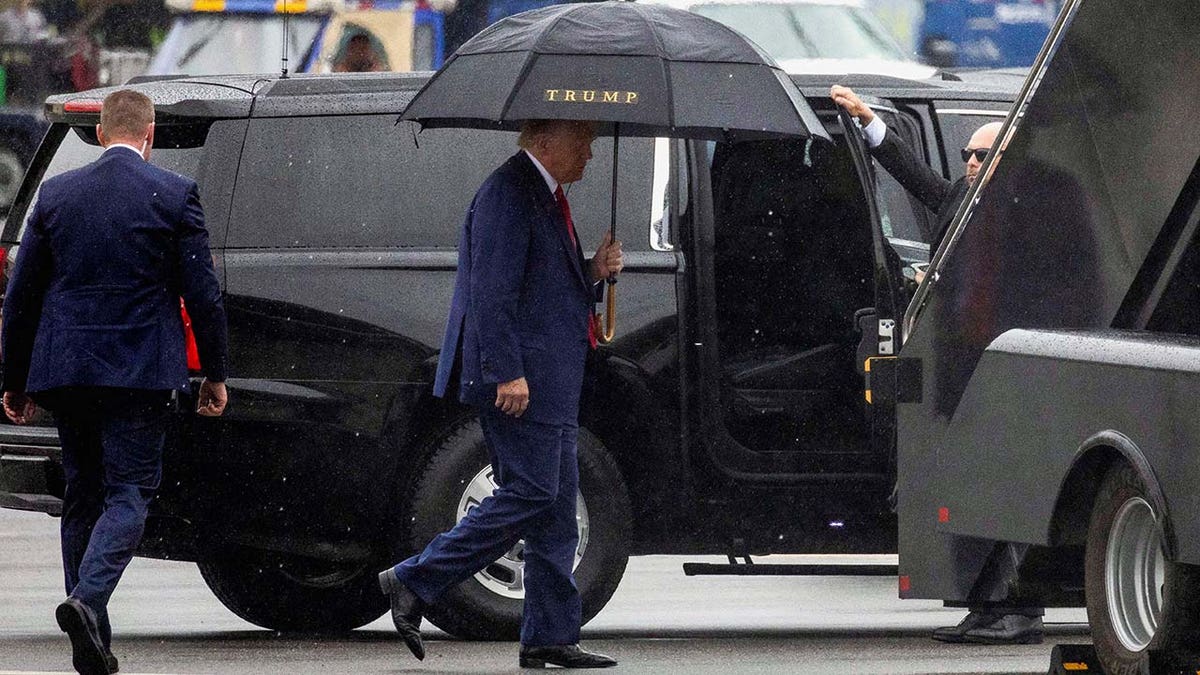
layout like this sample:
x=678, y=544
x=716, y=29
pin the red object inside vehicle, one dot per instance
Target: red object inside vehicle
x=193, y=354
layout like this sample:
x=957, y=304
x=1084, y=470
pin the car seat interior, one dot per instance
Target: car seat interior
x=793, y=263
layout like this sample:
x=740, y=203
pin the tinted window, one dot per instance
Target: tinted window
x=956, y=133
x=902, y=216
x=78, y=149
x=364, y=181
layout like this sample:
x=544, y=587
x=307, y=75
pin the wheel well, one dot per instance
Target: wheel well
x=1078, y=491
x=638, y=429
x=415, y=425
x=617, y=408
x=1073, y=510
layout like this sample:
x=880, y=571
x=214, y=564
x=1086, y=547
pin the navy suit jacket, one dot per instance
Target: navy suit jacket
x=93, y=300
x=522, y=300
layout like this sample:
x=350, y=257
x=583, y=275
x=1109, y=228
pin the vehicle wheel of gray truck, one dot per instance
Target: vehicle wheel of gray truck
x=488, y=605
x=1137, y=601
x=290, y=593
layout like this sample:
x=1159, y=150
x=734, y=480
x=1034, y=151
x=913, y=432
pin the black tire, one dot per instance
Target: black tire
x=473, y=611
x=1177, y=620
x=291, y=593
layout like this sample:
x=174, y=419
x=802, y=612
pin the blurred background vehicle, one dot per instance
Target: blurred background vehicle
x=208, y=37
x=59, y=46
x=850, y=39
x=984, y=33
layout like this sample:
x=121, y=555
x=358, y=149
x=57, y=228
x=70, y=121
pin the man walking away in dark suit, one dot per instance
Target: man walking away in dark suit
x=991, y=622
x=519, y=328
x=92, y=332
x=939, y=195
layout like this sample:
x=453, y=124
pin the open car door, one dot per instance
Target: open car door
x=879, y=327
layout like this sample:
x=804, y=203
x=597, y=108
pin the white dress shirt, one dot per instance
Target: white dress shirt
x=123, y=145
x=874, y=132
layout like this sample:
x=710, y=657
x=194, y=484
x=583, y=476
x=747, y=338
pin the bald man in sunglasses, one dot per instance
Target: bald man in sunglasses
x=939, y=195
x=986, y=623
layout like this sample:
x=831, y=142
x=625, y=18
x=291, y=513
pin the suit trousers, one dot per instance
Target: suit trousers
x=112, y=441
x=536, y=468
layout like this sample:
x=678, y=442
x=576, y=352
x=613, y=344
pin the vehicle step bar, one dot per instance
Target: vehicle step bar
x=751, y=569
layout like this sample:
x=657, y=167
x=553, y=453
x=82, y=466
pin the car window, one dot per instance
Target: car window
x=903, y=217
x=591, y=198
x=78, y=148
x=205, y=43
x=957, y=126
x=364, y=181
x=360, y=50
x=807, y=31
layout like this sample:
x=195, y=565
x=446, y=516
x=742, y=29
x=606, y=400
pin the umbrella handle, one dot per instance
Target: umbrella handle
x=610, y=310
x=610, y=317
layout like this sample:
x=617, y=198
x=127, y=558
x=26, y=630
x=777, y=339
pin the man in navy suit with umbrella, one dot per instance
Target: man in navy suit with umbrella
x=519, y=322
x=92, y=331
x=519, y=328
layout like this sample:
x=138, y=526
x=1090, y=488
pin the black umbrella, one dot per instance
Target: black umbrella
x=638, y=70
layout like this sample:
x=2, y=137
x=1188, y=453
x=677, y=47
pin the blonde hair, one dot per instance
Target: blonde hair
x=532, y=130
x=126, y=114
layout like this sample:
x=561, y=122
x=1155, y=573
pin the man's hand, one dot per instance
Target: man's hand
x=513, y=397
x=212, y=399
x=845, y=97
x=19, y=407
x=607, y=261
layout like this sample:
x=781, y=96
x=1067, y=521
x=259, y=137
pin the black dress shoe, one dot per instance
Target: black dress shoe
x=1008, y=629
x=113, y=666
x=79, y=623
x=407, y=609
x=567, y=656
x=957, y=633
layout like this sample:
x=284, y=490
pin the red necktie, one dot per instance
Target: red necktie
x=566, y=212
x=593, y=319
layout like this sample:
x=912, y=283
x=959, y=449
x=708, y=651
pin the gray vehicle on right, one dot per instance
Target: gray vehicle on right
x=1045, y=392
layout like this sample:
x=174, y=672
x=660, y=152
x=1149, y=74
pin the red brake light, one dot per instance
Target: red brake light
x=82, y=106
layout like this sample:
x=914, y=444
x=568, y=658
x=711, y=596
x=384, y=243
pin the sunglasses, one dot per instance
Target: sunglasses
x=980, y=154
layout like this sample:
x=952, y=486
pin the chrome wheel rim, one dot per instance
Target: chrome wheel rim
x=505, y=577
x=1134, y=572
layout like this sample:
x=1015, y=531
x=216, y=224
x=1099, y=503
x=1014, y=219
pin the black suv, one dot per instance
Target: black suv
x=727, y=417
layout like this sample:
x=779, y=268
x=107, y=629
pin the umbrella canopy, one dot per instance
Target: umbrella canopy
x=644, y=70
